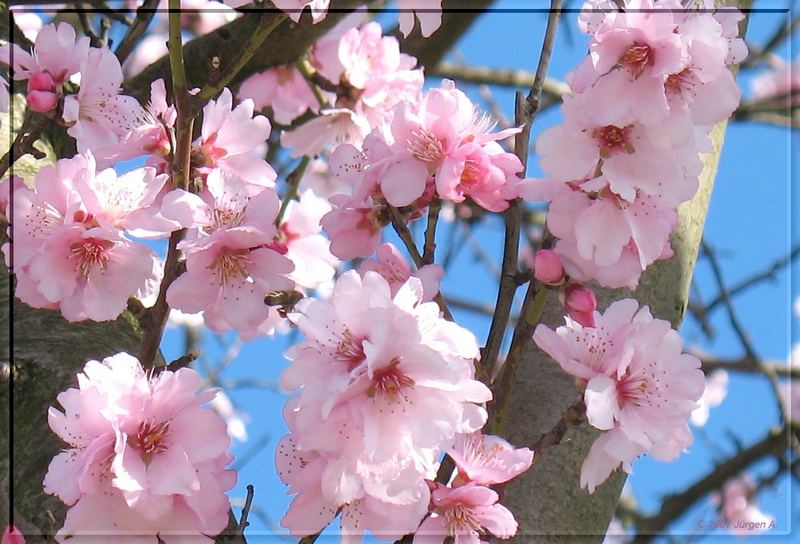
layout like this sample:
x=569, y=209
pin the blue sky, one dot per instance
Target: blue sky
x=749, y=224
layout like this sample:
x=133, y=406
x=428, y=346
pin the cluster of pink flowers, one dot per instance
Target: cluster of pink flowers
x=437, y=146
x=69, y=247
x=384, y=387
x=638, y=385
x=468, y=507
x=366, y=74
x=144, y=457
x=627, y=155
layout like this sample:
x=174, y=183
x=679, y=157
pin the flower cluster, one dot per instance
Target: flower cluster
x=638, y=385
x=438, y=146
x=143, y=457
x=70, y=249
x=384, y=387
x=366, y=75
x=468, y=508
x=627, y=155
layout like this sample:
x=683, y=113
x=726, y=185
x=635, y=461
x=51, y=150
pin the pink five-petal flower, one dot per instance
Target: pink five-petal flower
x=489, y=459
x=229, y=139
x=465, y=513
x=99, y=116
x=144, y=456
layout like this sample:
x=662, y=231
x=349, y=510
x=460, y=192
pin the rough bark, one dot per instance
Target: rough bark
x=547, y=501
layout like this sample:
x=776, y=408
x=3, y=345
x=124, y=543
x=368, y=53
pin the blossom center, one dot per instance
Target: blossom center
x=643, y=387
x=461, y=520
x=636, y=58
x=90, y=254
x=150, y=438
x=679, y=82
x=424, y=146
x=389, y=382
x=613, y=139
x=350, y=350
x=231, y=264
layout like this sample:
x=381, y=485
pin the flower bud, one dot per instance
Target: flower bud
x=580, y=303
x=42, y=101
x=547, y=267
x=41, y=82
x=11, y=535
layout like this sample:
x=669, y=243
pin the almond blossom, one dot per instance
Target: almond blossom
x=385, y=385
x=69, y=250
x=464, y=513
x=637, y=384
x=143, y=455
x=488, y=459
x=99, y=115
x=57, y=52
x=230, y=263
x=738, y=506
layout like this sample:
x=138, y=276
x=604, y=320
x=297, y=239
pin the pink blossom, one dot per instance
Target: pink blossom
x=68, y=251
x=151, y=48
x=301, y=234
x=444, y=136
x=465, y=513
x=229, y=138
x=283, y=89
x=42, y=93
x=488, y=459
x=230, y=264
x=55, y=52
x=143, y=454
x=385, y=385
x=429, y=13
x=781, y=81
x=580, y=303
x=12, y=535
x=738, y=506
x=339, y=125
x=319, y=179
x=390, y=264
x=638, y=385
x=547, y=267
x=295, y=8
x=354, y=227
x=99, y=115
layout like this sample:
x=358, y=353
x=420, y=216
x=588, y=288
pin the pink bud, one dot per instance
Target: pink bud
x=11, y=535
x=42, y=101
x=41, y=82
x=547, y=267
x=580, y=303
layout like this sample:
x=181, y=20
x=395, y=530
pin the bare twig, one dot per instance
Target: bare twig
x=248, y=502
x=769, y=372
x=525, y=112
x=428, y=255
x=144, y=14
x=675, y=505
x=27, y=135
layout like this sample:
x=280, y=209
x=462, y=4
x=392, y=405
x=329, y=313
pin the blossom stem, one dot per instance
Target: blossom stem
x=402, y=231
x=248, y=503
x=292, y=184
x=525, y=112
x=307, y=71
x=429, y=253
x=267, y=24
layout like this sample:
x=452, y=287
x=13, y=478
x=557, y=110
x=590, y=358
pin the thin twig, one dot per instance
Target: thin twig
x=292, y=184
x=27, y=135
x=428, y=255
x=248, y=502
x=525, y=112
x=742, y=333
x=402, y=231
x=144, y=14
